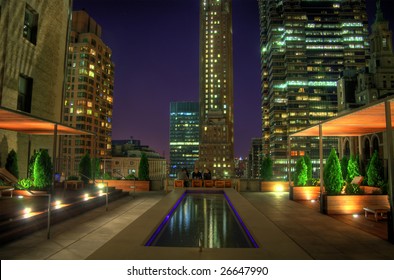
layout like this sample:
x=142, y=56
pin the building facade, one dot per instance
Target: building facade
x=216, y=88
x=32, y=67
x=184, y=136
x=126, y=157
x=89, y=93
x=255, y=158
x=373, y=83
x=305, y=45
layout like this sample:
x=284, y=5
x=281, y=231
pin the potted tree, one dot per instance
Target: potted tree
x=302, y=178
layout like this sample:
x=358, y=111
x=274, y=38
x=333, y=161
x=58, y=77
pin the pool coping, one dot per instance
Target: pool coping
x=128, y=244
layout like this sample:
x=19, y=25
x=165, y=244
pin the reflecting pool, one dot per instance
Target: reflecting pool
x=202, y=219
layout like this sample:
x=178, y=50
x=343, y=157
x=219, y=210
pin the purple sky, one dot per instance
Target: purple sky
x=155, y=46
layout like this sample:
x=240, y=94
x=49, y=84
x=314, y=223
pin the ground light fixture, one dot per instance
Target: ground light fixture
x=103, y=190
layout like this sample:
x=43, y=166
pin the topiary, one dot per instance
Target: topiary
x=332, y=175
x=43, y=170
x=344, y=165
x=12, y=163
x=375, y=171
x=308, y=163
x=352, y=169
x=143, y=169
x=301, y=173
x=266, y=172
x=85, y=168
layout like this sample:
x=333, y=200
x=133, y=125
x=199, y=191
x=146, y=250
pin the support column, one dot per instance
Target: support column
x=288, y=165
x=54, y=158
x=390, y=156
x=321, y=167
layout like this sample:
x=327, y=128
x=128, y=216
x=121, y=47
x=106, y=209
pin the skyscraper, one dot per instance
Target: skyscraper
x=184, y=136
x=89, y=93
x=305, y=45
x=216, y=88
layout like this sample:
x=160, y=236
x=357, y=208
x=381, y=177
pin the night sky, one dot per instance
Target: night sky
x=155, y=45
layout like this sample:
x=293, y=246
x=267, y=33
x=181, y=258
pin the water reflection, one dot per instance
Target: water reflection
x=205, y=214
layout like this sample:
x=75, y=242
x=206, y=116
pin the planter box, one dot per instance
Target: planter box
x=351, y=204
x=370, y=190
x=124, y=185
x=274, y=186
x=304, y=193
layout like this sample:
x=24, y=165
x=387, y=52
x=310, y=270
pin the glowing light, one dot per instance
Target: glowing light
x=86, y=196
x=279, y=188
x=27, y=211
x=313, y=201
x=100, y=185
x=355, y=215
x=20, y=196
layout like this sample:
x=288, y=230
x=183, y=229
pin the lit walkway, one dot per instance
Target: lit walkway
x=77, y=238
x=319, y=236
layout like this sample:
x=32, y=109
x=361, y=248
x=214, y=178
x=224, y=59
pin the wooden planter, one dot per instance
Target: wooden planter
x=124, y=185
x=274, y=186
x=304, y=193
x=351, y=204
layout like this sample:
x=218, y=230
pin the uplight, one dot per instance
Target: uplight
x=279, y=188
x=58, y=204
x=27, y=210
x=86, y=196
x=313, y=201
x=100, y=185
x=355, y=215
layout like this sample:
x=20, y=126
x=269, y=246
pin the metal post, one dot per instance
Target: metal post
x=288, y=165
x=321, y=167
x=389, y=145
x=54, y=158
x=49, y=217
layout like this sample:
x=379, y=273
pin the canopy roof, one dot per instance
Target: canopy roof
x=26, y=123
x=364, y=120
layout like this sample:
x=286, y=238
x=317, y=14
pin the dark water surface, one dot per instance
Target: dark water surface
x=205, y=218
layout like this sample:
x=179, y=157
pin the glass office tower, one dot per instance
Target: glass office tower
x=305, y=45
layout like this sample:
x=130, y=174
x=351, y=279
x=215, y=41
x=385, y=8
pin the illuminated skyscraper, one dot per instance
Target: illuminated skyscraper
x=184, y=136
x=305, y=45
x=89, y=93
x=216, y=88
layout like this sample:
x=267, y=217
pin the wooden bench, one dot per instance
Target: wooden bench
x=6, y=189
x=378, y=211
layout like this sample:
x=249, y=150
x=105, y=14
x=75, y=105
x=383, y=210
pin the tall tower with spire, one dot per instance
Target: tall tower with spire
x=216, y=88
x=378, y=81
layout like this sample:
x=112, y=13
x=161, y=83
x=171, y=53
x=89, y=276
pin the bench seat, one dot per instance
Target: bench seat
x=378, y=211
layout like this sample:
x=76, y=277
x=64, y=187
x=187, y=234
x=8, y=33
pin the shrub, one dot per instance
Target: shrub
x=308, y=163
x=344, y=165
x=31, y=165
x=374, y=171
x=143, y=169
x=332, y=175
x=85, y=168
x=266, y=169
x=12, y=163
x=301, y=173
x=25, y=184
x=43, y=170
x=352, y=169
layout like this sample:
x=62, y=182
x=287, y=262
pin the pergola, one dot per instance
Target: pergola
x=372, y=118
x=26, y=123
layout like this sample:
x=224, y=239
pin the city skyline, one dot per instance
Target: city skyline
x=158, y=70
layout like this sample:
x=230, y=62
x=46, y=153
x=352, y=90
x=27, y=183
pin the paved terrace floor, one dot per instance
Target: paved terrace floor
x=318, y=236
